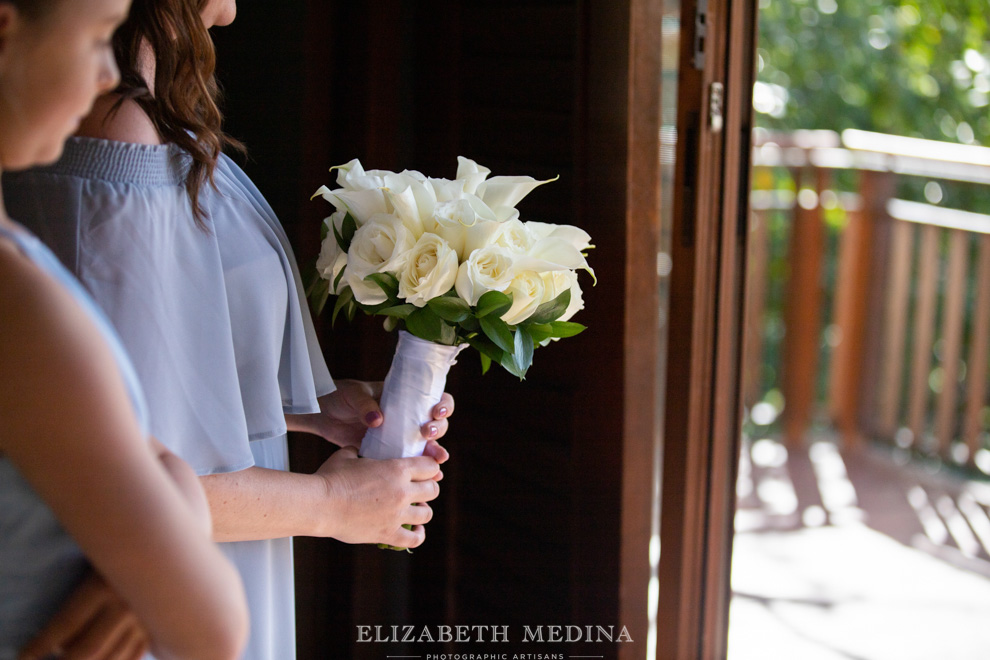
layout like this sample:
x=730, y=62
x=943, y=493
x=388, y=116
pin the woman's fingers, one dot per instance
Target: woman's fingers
x=445, y=408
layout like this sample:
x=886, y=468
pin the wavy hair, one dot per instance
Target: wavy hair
x=184, y=106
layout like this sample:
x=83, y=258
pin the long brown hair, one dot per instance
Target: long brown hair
x=185, y=104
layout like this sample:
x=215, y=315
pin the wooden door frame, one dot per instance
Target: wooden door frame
x=702, y=407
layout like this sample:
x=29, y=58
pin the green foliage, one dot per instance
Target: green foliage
x=903, y=67
x=449, y=320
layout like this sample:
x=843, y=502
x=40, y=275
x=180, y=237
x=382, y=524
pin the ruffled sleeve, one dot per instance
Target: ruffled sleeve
x=118, y=216
x=243, y=217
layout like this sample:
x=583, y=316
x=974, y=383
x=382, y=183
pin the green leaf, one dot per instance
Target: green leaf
x=391, y=323
x=448, y=334
x=498, y=331
x=486, y=363
x=493, y=302
x=325, y=230
x=487, y=349
x=312, y=280
x=349, y=227
x=314, y=291
x=551, y=310
x=509, y=364
x=424, y=324
x=470, y=324
x=343, y=300
x=320, y=293
x=539, y=331
x=346, y=234
x=562, y=329
x=387, y=282
x=452, y=309
x=340, y=275
x=522, y=357
x=400, y=311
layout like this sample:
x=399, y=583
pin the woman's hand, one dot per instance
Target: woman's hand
x=375, y=498
x=348, y=412
x=93, y=623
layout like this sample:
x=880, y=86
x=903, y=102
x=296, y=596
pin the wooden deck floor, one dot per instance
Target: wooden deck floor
x=861, y=555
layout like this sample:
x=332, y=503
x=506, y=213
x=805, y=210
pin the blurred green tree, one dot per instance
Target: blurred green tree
x=905, y=67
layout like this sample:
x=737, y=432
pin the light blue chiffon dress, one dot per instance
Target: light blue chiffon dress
x=40, y=564
x=216, y=321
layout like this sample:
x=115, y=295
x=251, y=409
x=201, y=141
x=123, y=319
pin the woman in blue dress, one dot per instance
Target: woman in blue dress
x=81, y=485
x=188, y=260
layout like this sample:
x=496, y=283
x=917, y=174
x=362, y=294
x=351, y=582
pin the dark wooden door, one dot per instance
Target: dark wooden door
x=549, y=503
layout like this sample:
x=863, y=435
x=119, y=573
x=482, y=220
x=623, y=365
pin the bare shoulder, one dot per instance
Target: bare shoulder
x=50, y=349
x=36, y=310
x=45, y=332
x=128, y=123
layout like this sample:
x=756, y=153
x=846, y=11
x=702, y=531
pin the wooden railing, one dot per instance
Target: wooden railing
x=909, y=311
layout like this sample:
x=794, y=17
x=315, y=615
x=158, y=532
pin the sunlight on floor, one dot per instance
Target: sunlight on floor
x=836, y=560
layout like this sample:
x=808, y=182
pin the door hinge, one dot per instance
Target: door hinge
x=700, y=34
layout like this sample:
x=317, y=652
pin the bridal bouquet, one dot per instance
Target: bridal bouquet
x=450, y=264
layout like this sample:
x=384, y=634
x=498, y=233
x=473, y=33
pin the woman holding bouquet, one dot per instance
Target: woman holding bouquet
x=81, y=485
x=189, y=261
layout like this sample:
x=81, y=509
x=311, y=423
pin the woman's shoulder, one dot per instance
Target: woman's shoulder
x=36, y=309
x=125, y=122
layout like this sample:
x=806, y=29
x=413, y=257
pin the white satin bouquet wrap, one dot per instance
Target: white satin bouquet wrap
x=413, y=386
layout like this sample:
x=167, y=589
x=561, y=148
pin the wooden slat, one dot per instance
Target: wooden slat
x=924, y=331
x=802, y=319
x=895, y=327
x=979, y=352
x=851, y=298
x=756, y=297
x=952, y=329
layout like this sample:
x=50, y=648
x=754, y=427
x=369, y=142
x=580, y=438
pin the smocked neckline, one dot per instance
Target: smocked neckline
x=121, y=162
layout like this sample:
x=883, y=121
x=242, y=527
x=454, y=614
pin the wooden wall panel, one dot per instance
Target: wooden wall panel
x=534, y=508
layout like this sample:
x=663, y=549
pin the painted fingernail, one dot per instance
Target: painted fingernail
x=372, y=417
x=433, y=431
x=443, y=412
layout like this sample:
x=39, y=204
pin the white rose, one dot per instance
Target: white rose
x=379, y=246
x=515, y=236
x=527, y=289
x=486, y=269
x=558, y=281
x=430, y=270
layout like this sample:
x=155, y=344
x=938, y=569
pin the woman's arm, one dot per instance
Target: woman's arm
x=69, y=428
x=351, y=499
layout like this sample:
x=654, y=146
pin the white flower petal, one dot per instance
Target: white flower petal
x=507, y=191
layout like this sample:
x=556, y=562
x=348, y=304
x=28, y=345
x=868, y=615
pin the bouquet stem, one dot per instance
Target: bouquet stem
x=414, y=384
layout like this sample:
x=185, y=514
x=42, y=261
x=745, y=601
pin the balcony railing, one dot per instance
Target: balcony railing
x=897, y=291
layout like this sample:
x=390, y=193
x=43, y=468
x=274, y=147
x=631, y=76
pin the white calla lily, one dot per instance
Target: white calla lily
x=576, y=236
x=471, y=174
x=502, y=193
